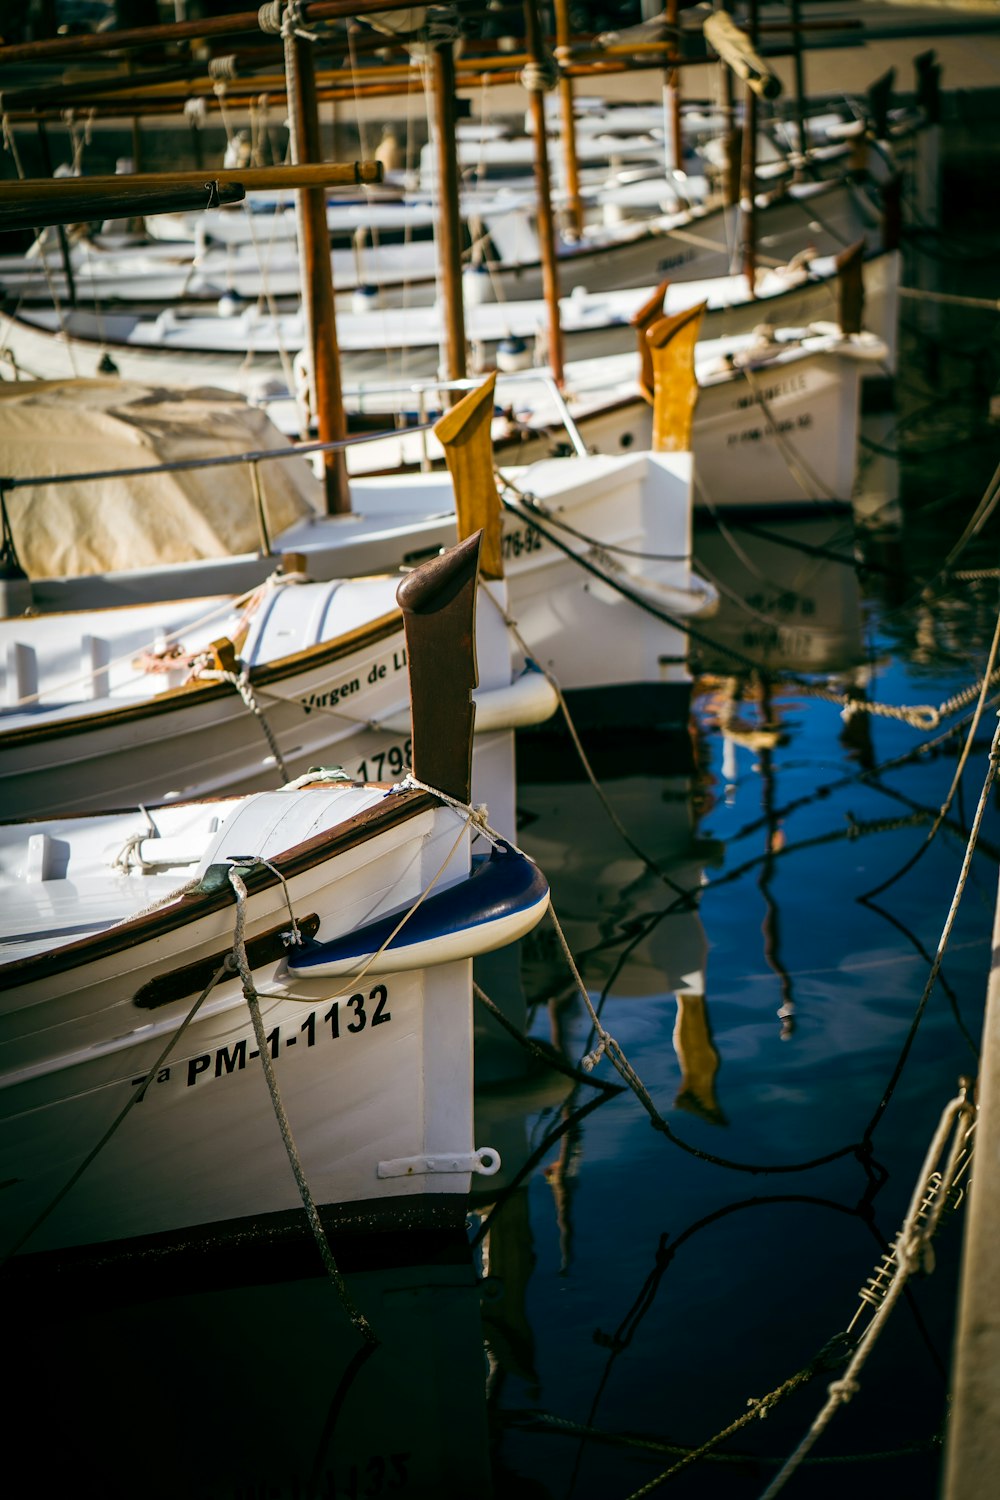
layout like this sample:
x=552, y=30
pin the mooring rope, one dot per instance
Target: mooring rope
x=917, y=716
x=912, y=1253
x=357, y=1318
x=226, y=967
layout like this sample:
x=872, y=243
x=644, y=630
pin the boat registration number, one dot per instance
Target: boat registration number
x=344, y=1018
x=520, y=541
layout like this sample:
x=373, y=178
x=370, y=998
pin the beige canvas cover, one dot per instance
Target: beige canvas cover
x=74, y=426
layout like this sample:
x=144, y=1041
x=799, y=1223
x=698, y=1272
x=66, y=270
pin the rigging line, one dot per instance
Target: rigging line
x=227, y=967
x=812, y=549
x=609, y=1046
x=852, y=779
x=952, y=825
x=927, y=957
x=568, y=1122
x=863, y=1210
x=956, y=778
x=358, y=1320
x=538, y=1052
x=949, y=923
x=910, y=1252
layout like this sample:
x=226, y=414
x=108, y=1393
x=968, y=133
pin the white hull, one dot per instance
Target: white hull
x=328, y=669
x=780, y=429
x=585, y=629
x=375, y=1077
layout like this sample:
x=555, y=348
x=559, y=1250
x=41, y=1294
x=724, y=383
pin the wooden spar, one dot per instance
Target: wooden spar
x=795, y=7
x=317, y=272
x=673, y=133
x=675, y=385
x=470, y=77
x=449, y=233
x=649, y=313
x=851, y=288
x=181, y=31
x=538, y=68
x=438, y=601
x=739, y=52
x=120, y=202
x=318, y=175
x=748, y=166
x=571, y=167
x=465, y=434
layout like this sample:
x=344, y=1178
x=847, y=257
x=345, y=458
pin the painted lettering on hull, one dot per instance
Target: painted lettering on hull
x=757, y=434
x=380, y=670
x=344, y=1018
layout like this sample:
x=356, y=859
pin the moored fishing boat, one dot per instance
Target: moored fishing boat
x=251, y=351
x=595, y=552
x=130, y=1108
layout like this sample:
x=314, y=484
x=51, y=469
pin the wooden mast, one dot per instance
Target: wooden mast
x=674, y=134
x=748, y=175
x=739, y=52
x=574, y=205
x=449, y=230
x=536, y=78
x=316, y=268
x=800, y=77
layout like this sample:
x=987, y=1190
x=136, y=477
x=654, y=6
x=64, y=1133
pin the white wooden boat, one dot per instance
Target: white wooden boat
x=595, y=550
x=131, y=1113
x=776, y=421
x=141, y=703
x=246, y=352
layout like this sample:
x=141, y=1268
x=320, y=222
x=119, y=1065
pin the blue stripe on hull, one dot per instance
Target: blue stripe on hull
x=502, y=885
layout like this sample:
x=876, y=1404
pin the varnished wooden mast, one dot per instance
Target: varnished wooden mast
x=672, y=97
x=574, y=205
x=449, y=232
x=316, y=271
x=748, y=176
x=546, y=227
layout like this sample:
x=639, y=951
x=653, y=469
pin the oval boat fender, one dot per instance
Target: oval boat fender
x=503, y=897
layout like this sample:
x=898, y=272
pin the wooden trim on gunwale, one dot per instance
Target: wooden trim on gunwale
x=196, y=693
x=193, y=906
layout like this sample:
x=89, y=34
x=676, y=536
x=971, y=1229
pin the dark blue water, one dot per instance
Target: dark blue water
x=630, y=1285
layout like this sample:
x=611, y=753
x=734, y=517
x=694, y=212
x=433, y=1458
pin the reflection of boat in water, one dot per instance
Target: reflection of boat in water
x=789, y=596
x=630, y=915
x=298, y=1405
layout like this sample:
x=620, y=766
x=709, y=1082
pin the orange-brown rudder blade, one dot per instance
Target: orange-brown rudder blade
x=851, y=288
x=675, y=386
x=438, y=601
x=464, y=433
x=648, y=313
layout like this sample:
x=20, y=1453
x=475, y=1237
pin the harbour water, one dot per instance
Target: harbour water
x=640, y=1273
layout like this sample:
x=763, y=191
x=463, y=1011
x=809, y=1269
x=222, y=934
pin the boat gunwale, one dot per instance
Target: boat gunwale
x=193, y=905
x=203, y=690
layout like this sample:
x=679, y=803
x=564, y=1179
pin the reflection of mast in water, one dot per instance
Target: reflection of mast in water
x=699, y=1059
x=561, y=1176
x=508, y=1260
x=762, y=738
x=770, y=927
